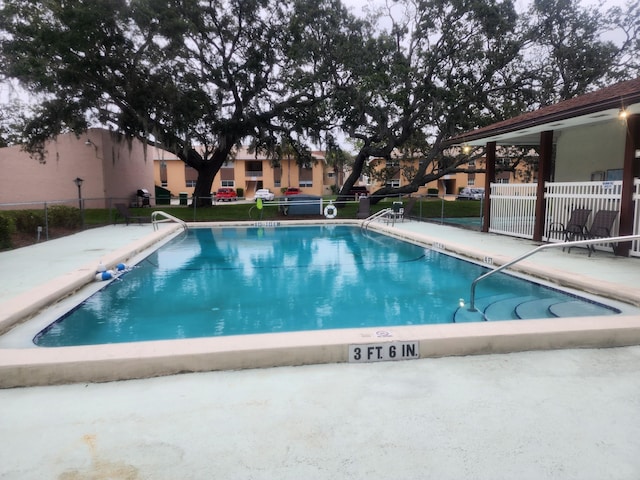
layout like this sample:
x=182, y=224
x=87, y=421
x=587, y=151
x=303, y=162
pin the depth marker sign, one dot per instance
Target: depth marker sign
x=383, y=352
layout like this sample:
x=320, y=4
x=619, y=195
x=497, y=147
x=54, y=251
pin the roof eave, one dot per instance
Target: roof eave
x=631, y=102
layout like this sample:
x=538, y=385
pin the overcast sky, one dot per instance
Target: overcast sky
x=358, y=5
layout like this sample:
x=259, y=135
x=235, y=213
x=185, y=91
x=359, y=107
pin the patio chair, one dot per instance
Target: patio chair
x=576, y=227
x=364, y=208
x=123, y=211
x=601, y=227
x=397, y=211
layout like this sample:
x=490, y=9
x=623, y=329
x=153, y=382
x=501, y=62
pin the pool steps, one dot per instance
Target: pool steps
x=509, y=307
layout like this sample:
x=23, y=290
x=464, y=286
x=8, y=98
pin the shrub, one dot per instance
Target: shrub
x=7, y=227
x=28, y=221
x=240, y=192
x=64, y=217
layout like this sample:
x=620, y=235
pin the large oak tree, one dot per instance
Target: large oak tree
x=194, y=77
x=198, y=77
x=447, y=66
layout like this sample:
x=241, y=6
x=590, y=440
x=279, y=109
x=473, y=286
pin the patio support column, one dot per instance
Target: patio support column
x=544, y=173
x=632, y=143
x=489, y=178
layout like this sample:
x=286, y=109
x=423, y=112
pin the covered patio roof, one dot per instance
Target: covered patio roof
x=591, y=108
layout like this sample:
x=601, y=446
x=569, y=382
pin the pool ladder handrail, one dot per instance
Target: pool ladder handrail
x=472, y=306
x=168, y=218
x=375, y=216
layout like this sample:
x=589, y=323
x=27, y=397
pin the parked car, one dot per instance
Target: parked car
x=264, y=194
x=358, y=191
x=292, y=191
x=227, y=194
x=471, y=194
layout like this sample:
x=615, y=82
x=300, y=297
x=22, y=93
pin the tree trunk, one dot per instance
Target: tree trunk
x=356, y=170
x=202, y=193
x=207, y=170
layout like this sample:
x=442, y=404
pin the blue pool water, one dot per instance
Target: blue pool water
x=234, y=281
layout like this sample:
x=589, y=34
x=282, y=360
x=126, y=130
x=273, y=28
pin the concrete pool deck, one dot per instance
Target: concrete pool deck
x=24, y=364
x=557, y=414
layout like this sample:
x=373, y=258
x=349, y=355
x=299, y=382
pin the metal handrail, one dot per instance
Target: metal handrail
x=472, y=306
x=168, y=218
x=368, y=220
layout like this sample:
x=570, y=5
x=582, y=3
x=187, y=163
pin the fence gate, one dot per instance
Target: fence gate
x=513, y=209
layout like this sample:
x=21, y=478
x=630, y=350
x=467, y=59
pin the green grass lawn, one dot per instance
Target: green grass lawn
x=426, y=209
x=25, y=223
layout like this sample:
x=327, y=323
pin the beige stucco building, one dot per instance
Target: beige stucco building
x=111, y=167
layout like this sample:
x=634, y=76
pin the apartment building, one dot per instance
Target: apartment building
x=246, y=171
x=398, y=172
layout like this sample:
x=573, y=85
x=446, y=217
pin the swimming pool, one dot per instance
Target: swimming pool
x=214, y=282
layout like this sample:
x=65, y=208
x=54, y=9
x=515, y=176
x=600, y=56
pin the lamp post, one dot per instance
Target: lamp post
x=78, y=181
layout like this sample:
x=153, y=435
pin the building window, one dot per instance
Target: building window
x=471, y=179
x=503, y=177
x=614, y=174
x=253, y=169
x=163, y=174
x=472, y=163
x=277, y=177
x=227, y=175
x=190, y=176
x=393, y=183
x=305, y=177
x=392, y=163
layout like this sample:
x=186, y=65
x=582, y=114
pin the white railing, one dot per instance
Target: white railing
x=380, y=214
x=513, y=208
x=563, y=245
x=167, y=218
x=635, y=245
x=563, y=197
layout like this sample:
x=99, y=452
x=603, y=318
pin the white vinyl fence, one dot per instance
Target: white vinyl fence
x=513, y=209
x=513, y=206
x=635, y=245
x=564, y=197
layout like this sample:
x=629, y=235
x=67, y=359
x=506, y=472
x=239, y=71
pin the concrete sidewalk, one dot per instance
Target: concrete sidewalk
x=572, y=414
